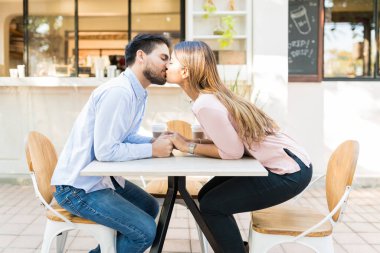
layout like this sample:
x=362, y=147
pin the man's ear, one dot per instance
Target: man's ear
x=140, y=55
x=185, y=72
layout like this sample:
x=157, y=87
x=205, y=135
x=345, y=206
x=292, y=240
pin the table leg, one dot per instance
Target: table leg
x=166, y=212
x=196, y=214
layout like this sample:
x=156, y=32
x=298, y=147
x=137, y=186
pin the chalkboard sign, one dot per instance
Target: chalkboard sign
x=303, y=28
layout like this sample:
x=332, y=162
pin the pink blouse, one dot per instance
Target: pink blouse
x=218, y=126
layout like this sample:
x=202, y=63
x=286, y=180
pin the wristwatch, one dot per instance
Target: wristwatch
x=192, y=146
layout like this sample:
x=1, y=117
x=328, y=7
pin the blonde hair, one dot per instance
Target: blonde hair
x=252, y=124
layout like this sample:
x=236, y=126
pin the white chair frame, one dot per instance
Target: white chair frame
x=55, y=229
x=261, y=243
x=59, y=229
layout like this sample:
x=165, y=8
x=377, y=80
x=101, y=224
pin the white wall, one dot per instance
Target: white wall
x=322, y=115
x=53, y=110
x=270, y=56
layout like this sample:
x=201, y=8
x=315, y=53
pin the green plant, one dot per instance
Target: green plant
x=209, y=8
x=229, y=32
x=240, y=87
x=234, y=86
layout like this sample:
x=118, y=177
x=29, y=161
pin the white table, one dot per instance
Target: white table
x=176, y=168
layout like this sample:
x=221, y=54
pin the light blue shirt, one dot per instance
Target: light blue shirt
x=105, y=130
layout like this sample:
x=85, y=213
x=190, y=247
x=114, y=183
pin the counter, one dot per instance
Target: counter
x=50, y=105
x=61, y=82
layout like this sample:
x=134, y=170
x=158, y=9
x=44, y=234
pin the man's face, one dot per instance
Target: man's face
x=156, y=64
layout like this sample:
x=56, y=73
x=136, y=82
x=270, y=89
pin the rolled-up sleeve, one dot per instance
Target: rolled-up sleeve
x=219, y=129
x=112, y=123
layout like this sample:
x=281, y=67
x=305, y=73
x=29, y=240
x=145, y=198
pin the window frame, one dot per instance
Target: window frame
x=76, y=30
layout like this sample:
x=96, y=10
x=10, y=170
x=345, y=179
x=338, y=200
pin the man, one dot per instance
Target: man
x=106, y=130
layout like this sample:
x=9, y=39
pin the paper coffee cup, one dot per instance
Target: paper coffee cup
x=197, y=131
x=111, y=71
x=158, y=129
x=21, y=70
x=13, y=73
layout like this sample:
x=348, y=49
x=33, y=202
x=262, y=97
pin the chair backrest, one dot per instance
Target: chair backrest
x=181, y=127
x=42, y=159
x=340, y=172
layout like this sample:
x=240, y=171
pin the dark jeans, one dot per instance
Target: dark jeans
x=222, y=197
x=129, y=210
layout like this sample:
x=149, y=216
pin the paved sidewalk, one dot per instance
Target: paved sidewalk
x=22, y=223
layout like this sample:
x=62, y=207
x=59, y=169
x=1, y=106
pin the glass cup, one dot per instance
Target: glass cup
x=158, y=129
x=21, y=70
x=111, y=71
x=197, y=131
x=99, y=68
x=13, y=73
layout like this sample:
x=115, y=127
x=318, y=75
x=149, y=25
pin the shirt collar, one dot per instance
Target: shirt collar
x=138, y=89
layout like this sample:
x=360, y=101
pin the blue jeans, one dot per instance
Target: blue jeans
x=129, y=210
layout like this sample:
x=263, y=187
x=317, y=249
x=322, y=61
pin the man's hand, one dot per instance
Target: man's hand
x=162, y=147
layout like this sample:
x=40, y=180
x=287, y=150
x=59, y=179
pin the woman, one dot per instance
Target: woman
x=235, y=127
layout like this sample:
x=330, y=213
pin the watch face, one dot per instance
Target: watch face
x=191, y=148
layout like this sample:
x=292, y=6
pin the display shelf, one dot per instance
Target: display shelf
x=220, y=13
x=216, y=37
x=238, y=55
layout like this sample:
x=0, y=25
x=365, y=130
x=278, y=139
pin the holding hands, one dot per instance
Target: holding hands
x=180, y=142
x=164, y=144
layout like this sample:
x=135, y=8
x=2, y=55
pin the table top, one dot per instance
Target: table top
x=177, y=166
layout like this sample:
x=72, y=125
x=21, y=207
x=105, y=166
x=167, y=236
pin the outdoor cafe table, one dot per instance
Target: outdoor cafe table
x=177, y=168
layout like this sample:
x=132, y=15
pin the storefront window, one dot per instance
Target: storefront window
x=102, y=34
x=349, y=39
x=164, y=20
x=48, y=23
x=16, y=42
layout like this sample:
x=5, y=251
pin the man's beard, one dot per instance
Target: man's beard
x=153, y=77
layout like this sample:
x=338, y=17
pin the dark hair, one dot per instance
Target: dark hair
x=145, y=42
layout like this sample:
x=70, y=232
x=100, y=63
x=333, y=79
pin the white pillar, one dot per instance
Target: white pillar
x=270, y=57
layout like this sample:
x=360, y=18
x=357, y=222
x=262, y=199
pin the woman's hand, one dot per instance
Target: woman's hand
x=180, y=142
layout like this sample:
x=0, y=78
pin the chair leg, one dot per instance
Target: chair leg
x=52, y=229
x=319, y=244
x=61, y=241
x=202, y=240
x=261, y=243
x=105, y=236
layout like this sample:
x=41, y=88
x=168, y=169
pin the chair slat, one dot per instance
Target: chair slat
x=159, y=187
x=42, y=159
x=340, y=172
x=289, y=220
x=181, y=127
x=71, y=217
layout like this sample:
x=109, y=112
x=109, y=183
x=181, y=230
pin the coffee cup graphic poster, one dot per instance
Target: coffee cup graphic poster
x=303, y=37
x=301, y=20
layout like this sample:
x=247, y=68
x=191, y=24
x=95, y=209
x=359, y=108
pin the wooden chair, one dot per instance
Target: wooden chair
x=42, y=158
x=307, y=226
x=159, y=187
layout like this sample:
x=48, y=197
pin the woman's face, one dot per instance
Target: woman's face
x=174, y=73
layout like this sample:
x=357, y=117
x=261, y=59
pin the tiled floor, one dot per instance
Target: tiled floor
x=22, y=224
